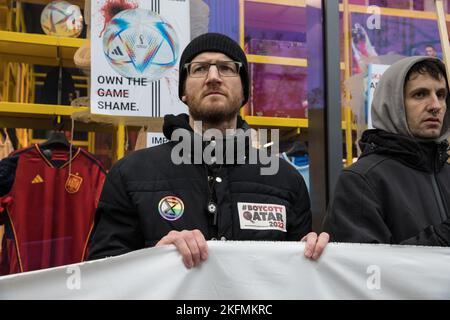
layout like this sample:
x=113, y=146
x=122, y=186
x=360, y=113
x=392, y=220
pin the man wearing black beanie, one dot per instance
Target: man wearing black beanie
x=215, y=42
x=151, y=198
x=214, y=96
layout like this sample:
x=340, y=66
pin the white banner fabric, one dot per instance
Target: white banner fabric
x=247, y=270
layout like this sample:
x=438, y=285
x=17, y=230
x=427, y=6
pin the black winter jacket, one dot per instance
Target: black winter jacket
x=398, y=192
x=134, y=211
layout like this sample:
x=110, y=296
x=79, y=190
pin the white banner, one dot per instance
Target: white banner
x=247, y=270
x=135, y=55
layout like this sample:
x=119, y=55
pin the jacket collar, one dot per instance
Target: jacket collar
x=424, y=155
x=240, y=140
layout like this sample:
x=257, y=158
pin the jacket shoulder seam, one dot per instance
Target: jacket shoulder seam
x=370, y=167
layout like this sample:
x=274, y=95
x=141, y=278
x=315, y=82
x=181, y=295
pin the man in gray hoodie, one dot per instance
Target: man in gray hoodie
x=398, y=192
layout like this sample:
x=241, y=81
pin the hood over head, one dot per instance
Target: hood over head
x=388, y=106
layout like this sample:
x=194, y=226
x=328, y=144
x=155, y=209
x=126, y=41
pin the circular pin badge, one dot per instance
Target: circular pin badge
x=212, y=207
x=171, y=208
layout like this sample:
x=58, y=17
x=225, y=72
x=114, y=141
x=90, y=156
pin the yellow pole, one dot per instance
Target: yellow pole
x=347, y=74
x=17, y=82
x=242, y=40
x=91, y=140
x=25, y=75
x=443, y=32
x=33, y=86
x=17, y=18
x=6, y=82
x=9, y=20
x=28, y=79
x=22, y=21
x=120, y=141
x=22, y=82
x=241, y=23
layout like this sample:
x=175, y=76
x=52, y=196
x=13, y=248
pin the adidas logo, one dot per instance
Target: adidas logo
x=37, y=179
x=117, y=51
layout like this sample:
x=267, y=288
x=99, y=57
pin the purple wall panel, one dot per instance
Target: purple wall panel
x=224, y=17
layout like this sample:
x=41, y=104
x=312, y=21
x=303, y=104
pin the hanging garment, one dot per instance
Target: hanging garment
x=49, y=211
x=6, y=146
x=141, y=141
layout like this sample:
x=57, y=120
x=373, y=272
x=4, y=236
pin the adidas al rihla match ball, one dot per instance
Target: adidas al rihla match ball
x=139, y=43
x=61, y=18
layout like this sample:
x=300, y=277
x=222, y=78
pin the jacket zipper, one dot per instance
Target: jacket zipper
x=436, y=190
x=438, y=197
x=209, y=200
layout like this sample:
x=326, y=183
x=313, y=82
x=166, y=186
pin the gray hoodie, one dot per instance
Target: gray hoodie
x=388, y=107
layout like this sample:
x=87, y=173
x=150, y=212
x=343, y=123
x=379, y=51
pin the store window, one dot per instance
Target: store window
x=283, y=41
x=374, y=38
x=420, y=5
x=276, y=34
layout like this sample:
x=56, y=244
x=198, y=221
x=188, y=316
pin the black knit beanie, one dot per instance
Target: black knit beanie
x=214, y=42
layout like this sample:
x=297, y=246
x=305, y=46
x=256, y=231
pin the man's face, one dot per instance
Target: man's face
x=430, y=51
x=425, y=105
x=213, y=98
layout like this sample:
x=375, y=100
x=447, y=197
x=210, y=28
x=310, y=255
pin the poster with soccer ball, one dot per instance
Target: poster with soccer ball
x=135, y=50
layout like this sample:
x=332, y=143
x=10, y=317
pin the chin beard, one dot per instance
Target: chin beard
x=211, y=115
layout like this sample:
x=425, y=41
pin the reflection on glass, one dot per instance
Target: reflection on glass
x=275, y=30
x=279, y=91
x=397, y=36
x=418, y=5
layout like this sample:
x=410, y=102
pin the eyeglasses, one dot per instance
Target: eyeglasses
x=200, y=69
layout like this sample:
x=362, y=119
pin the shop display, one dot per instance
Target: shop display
x=280, y=84
x=60, y=18
x=128, y=79
x=49, y=211
x=403, y=36
x=361, y=46
x=6, y=146
x=82, y=58
x=59, y=87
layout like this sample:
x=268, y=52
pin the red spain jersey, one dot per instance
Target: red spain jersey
x=49, y=211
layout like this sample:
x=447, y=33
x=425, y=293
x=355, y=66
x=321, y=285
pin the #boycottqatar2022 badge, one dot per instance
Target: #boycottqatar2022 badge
x=262, y=216
x=171, y=208
x=73, y=183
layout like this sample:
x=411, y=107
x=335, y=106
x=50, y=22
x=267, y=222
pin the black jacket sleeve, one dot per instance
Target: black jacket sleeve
x=116, y=229
x=432, y=236
x=301, y=222
x=355, y=215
